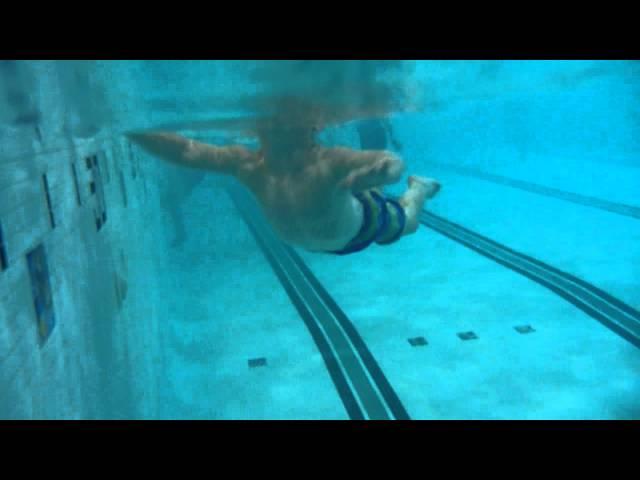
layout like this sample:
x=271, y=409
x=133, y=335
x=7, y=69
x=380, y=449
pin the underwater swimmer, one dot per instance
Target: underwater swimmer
x=320, y=199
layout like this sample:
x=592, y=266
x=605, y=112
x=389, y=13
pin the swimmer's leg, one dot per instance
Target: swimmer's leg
x=420, y=189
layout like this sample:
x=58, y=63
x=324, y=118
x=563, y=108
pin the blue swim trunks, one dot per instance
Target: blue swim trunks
x=383, y=222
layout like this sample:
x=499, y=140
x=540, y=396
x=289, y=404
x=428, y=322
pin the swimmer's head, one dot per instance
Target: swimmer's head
x=287, y=138
x=293, y=124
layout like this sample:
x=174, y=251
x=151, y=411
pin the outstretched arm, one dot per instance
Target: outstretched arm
x=359, y=170
x=183, y=151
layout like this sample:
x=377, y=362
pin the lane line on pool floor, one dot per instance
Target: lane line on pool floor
x=584, y=200
x=610, y=311
x=362, y=386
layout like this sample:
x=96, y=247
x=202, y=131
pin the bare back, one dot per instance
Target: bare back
x=306, y=191
x=305, y=205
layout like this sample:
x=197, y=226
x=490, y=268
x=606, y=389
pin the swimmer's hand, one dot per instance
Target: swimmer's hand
x=386, y=169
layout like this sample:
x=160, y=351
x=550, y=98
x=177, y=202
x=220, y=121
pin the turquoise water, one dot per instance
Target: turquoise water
x=520, y=299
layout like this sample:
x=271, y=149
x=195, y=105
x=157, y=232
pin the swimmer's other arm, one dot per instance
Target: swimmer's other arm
x=360, y=170
x=189, y=153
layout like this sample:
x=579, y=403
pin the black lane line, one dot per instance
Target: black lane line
x=586, y=308
x=591, y=289
x=592, y=303
x=618, y=208
x=353, y=366
x=344, y=391
x=598, y=294
x=356, y=360
x=389, y=394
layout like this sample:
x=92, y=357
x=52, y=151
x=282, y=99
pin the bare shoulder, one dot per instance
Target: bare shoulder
x=335, y=154
x=340, y=161
x=235, y=157
x=361, y=169
x=330, y=159
x=350, y=157
x=249, y=167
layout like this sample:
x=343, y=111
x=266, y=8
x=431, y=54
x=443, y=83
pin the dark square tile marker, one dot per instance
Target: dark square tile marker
x=418, y=341
x=257, y=362
x=467, y=336
x=524, y=329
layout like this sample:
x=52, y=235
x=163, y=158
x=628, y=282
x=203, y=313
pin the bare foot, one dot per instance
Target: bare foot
x=430, y=185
